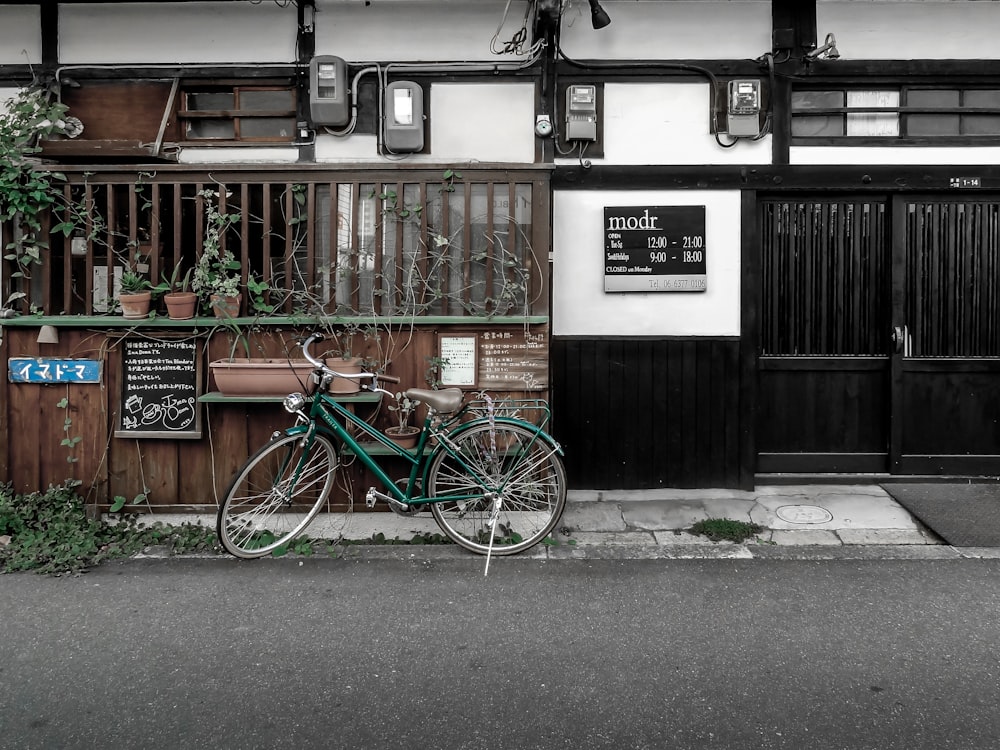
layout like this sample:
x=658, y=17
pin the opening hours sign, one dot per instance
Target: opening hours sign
x=655, y=249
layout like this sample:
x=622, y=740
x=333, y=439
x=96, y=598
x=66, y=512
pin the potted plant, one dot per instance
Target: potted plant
x=180, y=300
x=135, y=295
x=403, y=433
x=346, y=363
x=217, y=273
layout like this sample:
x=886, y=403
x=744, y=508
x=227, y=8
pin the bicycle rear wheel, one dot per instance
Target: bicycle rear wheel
x=279, y=490
x=510, y=464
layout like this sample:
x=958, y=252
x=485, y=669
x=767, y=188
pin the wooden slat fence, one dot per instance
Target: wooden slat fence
x=390, y=243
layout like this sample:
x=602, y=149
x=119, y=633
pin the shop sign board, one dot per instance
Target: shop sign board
x=53, y=370
x=655, y=249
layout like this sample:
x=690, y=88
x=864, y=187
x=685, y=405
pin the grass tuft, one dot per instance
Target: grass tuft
x=726, y=529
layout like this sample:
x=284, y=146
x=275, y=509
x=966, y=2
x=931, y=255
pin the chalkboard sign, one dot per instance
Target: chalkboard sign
x=160, y=389
x=654, y=249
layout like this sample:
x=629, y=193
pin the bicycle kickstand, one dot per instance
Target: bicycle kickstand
x=492, y=523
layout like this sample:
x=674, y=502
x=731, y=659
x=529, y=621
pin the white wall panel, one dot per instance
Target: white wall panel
x=679, y=30
x=580, y=305
x=931, y=29
x=414, y=31
x=667, y=124
x=485, y=122
x=468, y=122
x=5, y=94
x=194, y=32
x=20, y=35
x=238, y=155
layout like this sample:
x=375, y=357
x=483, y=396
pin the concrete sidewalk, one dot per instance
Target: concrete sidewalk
x=820, y=521
x=827, y=515
x=789, y=515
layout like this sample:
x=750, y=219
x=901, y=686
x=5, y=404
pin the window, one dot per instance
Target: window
x=234, y=114
x=933, y=115
x=418, y=248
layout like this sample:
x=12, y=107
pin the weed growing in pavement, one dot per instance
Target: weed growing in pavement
x=726, y=529
x=50, y=532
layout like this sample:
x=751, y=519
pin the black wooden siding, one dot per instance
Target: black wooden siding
x=642, y=413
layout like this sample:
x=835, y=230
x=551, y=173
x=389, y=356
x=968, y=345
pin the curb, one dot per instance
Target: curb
x=556, y=553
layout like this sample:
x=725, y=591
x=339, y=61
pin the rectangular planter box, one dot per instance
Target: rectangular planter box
x=261, y=377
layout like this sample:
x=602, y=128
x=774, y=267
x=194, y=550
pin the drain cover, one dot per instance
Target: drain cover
x=803, y=514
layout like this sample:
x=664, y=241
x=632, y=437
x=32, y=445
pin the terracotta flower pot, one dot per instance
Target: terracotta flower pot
x=181, y=305
x=404, y=437
x=136, y=305
x=225, y=307
x=345, y=365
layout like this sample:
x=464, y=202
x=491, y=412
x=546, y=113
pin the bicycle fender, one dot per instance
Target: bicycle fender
x=299, y=429
x=542, y=434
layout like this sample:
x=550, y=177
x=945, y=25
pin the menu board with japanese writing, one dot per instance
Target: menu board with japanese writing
x=514, y=359
x=160, y=388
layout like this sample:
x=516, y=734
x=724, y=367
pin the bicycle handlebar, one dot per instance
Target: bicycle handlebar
x=359, y=375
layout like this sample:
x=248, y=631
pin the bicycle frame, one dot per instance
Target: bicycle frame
x=322, y=416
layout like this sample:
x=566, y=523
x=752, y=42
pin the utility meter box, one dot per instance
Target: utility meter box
x=404, y=117
x=744, y=108
x=329, y=102
x=581, y=113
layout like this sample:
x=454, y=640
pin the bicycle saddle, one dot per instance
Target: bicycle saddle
x=445, y=400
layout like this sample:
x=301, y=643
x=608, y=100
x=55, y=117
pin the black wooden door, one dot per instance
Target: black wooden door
x=880, y=336
x=824, y=364
x=946, y=313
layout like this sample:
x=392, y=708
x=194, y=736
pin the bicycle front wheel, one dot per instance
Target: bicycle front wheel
x=504, y=472
x=279, y=490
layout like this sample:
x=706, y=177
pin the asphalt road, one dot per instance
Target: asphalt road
x=425, y=653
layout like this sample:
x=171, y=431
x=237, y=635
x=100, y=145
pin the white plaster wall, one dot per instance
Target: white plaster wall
x=238, y=155
x=5, y=94
x=415, y=31
x=194, y=32
x=666, y=124
x=678, y=30
x=581, y=307
x=895, y=30
x=485, y=122
x=902, y=155
x=20, y=35
x=468, y=122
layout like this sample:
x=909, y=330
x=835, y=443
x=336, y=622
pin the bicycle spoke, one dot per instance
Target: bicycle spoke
x=507, y=462
x=276, y=494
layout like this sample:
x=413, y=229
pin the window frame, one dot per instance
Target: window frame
x=902, y=111
x=186, y=116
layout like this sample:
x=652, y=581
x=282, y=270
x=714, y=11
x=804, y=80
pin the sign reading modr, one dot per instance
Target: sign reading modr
x=654, y=249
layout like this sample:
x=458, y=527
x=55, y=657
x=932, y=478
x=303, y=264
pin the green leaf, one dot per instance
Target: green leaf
x=118, y=504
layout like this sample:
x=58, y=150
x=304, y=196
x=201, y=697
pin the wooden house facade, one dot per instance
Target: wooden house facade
x=742, y=239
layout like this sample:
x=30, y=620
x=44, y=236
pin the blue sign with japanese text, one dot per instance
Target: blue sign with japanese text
x=53, y=370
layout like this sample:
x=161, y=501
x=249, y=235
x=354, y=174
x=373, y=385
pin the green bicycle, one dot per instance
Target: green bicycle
x=495, y=484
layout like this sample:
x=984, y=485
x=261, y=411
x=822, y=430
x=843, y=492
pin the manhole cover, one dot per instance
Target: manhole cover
x=803, y=514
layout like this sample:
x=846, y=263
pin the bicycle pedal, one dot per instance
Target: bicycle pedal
x=370, y=497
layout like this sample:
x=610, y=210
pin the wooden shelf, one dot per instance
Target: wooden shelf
x=214, y=397
x=112, y=320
